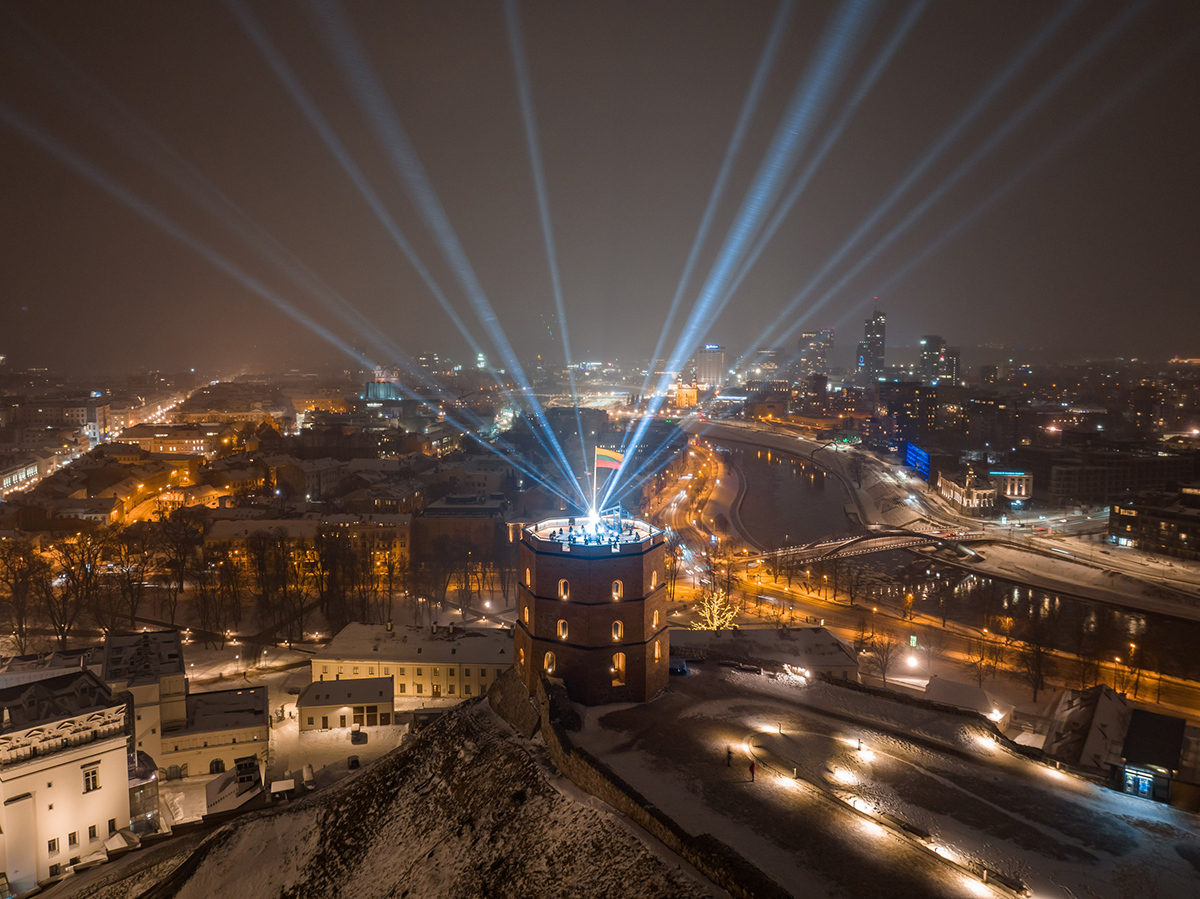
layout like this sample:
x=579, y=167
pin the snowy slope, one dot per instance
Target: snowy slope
x=463, y=810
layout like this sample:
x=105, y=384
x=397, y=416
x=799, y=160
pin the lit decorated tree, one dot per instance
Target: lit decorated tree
x=714, y=612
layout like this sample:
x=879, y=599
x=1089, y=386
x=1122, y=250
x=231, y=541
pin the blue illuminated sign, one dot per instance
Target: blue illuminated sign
x=917, y=459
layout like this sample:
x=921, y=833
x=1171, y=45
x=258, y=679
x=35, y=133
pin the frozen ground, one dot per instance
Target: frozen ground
x=464, y=810
x=689, y=752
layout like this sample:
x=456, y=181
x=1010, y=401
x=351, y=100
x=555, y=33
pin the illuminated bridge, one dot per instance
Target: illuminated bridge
x=874, y=541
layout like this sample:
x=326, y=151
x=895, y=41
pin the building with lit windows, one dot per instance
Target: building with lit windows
x=592, y=608
x=870, y=361
x=63, y=777
x=437, y=662
x=710, y=365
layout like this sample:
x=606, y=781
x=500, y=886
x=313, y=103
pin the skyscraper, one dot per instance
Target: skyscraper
x=933, y=349
x=870, y=349
x=813, y=352
x=710, y=365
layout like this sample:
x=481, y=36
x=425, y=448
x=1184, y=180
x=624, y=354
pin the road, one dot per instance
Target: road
x=769, y=601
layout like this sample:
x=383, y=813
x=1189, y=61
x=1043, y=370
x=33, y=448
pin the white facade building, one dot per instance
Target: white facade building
x=63, y=776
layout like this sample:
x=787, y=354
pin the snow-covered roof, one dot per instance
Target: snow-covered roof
x=799, y=647
x=967, y=696
x=351, y=691
x=227, y=709
x=143, y=657
x=356, y=641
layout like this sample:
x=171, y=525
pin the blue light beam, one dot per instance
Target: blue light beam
x=96, y=176
x=749, y=106
x=824, y=72
x=525, y=93
x=861, y=91
x=1123, y=95
x=1035, y=102
x=345, y=47
x=931, y=155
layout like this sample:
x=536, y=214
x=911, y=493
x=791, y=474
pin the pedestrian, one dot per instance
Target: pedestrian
x=729, y=757
x=753, y=767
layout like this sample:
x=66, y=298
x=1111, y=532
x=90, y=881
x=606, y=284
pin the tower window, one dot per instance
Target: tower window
x=657, y=651
x=520, y=660
x=525, y=614
x=564, y=589
x=653, y=579
x=528, y=578
x=549, y=663
x=618, y=669
x=618, y=590
x=655, y=619
x=618, y=630
x=562, y=628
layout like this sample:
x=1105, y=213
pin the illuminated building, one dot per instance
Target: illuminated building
x=813, y=353
x=63, y=776
x=871, y=347
x=421, y=663
x=592, y=608
x=710, y=365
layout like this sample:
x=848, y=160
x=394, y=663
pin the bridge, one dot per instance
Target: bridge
x=873, y=541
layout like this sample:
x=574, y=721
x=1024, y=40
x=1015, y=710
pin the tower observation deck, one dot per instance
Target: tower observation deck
x=591, y=607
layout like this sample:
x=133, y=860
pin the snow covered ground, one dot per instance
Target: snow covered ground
x=466, y=809
x=689, y=752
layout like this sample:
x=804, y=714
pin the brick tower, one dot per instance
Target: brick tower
x=591, y=608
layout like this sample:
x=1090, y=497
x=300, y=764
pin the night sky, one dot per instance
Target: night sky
x=1091, y=248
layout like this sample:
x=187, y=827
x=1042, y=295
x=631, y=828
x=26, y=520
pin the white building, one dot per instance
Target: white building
x=63, y=776
x=424, y=663
x=184, y=733
x=150, y=666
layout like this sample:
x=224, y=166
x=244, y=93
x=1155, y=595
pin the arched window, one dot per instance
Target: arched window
x=521, y=659
x=657, y=651
x=216, y=766
x=653, y=579
x=618, y=590
x=549, y=662
x=564, y=589
x=562, y=628
x=528, y=578
x=618, y=630
x=525, y=614
x=618, y=669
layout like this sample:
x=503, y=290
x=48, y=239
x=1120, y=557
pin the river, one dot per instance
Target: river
x=789, y=501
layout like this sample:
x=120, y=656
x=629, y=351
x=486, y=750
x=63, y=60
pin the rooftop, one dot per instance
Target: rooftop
x=227, y=709
x=800, y=647
x=142, y=657
x=437, y=645
x=600, y=530
x=53, y=699
x=354, y=691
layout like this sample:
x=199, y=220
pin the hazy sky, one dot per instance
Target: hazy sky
x=222, y=179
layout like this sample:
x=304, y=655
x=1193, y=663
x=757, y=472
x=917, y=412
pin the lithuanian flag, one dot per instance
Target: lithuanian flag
x=606, y=458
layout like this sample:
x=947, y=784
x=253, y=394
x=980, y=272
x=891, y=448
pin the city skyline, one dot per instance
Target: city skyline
x=1028, y=239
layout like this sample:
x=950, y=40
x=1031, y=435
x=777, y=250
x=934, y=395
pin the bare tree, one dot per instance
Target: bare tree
x=886, y=648
x=77, y=582
x=24, y=575
x=934, y=647
x=979, y=660
x=133, y=563
x=1034, y=661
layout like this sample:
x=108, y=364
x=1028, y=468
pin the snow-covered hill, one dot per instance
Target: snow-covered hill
x=462, y=810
